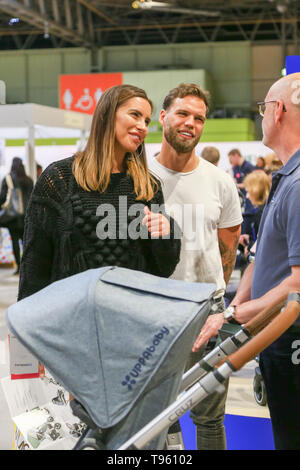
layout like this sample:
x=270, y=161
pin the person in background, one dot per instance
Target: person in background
x=241, y=168
x=39, y=170
x=270, y=158
x=210, y=231
x=272, y=168
x=257, y=186
x=260, y=163
x=24, y=184
x=211, y=154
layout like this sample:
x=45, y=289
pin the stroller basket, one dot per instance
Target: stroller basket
x=117, y=340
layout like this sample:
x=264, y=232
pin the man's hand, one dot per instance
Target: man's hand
x=157, y=224
x=210, y=328
x=244, y=239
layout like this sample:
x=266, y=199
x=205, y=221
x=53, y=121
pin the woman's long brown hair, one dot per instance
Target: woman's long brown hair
x=92, y=167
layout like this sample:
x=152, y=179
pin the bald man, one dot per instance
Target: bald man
x=276, y=270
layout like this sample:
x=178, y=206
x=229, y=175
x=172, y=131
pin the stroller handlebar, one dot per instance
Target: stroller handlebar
x=262, y=319
x=268, y=335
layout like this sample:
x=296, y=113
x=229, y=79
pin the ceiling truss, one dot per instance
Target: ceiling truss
x=28, y=24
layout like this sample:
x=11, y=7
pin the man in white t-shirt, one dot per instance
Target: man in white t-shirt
x=204, y=201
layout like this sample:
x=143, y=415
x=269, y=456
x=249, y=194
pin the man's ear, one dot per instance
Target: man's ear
x=162, y=116
x=279, y=111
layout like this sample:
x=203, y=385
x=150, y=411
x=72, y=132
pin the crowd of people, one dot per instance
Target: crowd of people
x=254, y=184
x=67, y=232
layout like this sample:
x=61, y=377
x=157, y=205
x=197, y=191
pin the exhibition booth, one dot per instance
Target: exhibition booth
x=22, y=128
x=30, y=120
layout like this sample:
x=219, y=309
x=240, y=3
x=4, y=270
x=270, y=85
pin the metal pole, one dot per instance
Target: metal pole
x=30, y=163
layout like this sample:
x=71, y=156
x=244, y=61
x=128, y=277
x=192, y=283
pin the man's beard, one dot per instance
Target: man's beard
x=177, y=144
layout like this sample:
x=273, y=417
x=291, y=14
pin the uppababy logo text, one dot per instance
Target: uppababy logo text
x=147, y=354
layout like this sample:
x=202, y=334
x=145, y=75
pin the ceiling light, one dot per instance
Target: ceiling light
x=13, y=21
x=160, y=6
x=281, y=8
x=46, y=30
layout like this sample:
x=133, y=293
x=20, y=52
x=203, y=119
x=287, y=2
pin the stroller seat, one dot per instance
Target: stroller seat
x=117, y=340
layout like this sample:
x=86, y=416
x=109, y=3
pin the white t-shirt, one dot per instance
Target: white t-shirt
x=201, y=202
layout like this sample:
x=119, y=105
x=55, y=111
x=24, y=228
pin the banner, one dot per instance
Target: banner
x=292, y=64
x=81, y=92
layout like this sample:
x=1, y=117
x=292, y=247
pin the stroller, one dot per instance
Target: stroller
x=118, y=341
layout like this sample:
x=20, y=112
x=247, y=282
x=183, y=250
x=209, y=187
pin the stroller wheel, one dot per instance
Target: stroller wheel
x=259, y=389
x=89, y=447
x=91, y=444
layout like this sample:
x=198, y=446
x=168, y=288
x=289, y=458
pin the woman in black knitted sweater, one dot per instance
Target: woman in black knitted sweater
x=100, y=207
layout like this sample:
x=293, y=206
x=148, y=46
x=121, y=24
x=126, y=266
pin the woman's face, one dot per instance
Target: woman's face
x=260, y=163
x=131, y=124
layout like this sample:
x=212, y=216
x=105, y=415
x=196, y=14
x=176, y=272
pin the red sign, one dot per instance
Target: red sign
x=81, y=92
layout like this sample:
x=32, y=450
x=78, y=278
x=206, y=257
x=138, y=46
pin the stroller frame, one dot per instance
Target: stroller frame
x=209, y=374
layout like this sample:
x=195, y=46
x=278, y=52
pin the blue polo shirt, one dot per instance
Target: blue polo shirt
x=240, y=172
x=278, y=245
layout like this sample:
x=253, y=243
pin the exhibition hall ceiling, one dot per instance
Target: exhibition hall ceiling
x=35, y=24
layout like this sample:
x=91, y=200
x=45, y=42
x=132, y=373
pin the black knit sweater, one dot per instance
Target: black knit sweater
x=63, y=224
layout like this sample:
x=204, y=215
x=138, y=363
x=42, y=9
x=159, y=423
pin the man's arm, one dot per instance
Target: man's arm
x=3, y=192
x=243, y=293
x=228, y=243
x=248, y=309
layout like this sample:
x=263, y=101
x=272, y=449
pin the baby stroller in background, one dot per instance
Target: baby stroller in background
x=259, y=388
x=124, y=357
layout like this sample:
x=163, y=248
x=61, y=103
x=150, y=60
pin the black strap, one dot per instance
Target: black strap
x=79, y=411
x=275, y=181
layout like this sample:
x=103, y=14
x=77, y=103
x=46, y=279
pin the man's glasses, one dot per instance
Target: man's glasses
x=261, y=105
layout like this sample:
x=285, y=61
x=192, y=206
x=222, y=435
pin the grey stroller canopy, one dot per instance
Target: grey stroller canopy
x=115, y=339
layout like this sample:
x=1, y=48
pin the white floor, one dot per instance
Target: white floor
x=241, y=399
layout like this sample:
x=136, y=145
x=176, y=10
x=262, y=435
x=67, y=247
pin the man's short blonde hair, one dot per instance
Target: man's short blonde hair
x=183, y=90
x=235, y=152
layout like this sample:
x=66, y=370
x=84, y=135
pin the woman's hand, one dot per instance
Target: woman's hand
x=244, y=239
x=157, y=224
